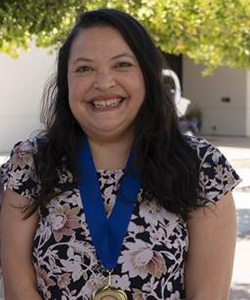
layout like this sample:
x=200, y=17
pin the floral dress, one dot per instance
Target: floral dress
x=152, y=259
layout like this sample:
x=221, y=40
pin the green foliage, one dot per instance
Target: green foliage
x=213, y=32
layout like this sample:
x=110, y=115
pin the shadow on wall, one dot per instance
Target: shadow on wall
x=240, y=292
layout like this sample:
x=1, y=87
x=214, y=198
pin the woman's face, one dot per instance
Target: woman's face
x=106, y=85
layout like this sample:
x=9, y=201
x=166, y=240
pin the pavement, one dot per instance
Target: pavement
x=237, y=151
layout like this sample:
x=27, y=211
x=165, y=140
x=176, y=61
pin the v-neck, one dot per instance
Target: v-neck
x=109, y=181
x=107, y=233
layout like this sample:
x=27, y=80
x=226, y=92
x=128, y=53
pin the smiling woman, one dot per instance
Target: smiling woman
x=111, y=201
x=106, y=85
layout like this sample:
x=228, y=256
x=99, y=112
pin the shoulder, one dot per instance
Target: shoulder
x=21, y=155
x=26, y=147
x=19, y=170
x=216, y=174
x=202, y=147
x=209, y=155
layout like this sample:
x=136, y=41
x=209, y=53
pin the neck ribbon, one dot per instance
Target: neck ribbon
x=107, y=233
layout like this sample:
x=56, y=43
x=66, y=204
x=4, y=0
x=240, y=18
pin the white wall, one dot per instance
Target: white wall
x=21, y=84
x=248, y=105
x=207, y=92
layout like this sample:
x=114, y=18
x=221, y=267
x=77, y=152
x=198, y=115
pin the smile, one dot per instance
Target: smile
x=107, y=103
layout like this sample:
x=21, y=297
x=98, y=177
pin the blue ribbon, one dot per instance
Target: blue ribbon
x=107, y=233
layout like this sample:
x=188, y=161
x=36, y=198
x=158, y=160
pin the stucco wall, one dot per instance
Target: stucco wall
x=22, y=83
x=219, y=117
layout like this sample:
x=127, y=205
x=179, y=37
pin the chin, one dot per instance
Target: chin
x=111, y=134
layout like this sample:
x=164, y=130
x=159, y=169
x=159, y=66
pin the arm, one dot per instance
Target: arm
x=212, y=234
x=16, y=246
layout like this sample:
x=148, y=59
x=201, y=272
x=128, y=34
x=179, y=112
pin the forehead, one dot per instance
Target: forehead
x=101, y=39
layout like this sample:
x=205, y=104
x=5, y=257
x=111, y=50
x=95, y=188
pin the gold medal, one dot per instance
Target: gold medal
x=109, y=293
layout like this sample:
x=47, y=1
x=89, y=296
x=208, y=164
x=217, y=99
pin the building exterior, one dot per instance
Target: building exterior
x=223, y=98
x=21, y=83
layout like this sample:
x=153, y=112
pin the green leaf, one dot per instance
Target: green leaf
x=212, y=32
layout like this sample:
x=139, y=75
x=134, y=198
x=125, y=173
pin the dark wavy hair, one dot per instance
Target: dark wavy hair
x=169, y=167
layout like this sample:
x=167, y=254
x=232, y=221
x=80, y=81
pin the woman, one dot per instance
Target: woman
x=112, y=201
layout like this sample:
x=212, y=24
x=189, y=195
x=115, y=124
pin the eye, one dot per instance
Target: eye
x=124, y=64
x=84, y=69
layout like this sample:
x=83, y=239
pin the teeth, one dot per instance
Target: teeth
x=109, y=103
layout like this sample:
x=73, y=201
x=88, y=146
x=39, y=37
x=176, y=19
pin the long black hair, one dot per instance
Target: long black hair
x=169, y=167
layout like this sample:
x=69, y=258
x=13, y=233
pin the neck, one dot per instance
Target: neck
x=111, y=155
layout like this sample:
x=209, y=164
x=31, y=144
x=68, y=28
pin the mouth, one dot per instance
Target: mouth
x=107, y=103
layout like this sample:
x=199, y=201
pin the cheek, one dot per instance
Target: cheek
x=73, y=90
x=73, y=108
x=73, y=98
x=78, y=88
x=139, y=79
x=135, y=84
x=141, y=89
x=72, y=102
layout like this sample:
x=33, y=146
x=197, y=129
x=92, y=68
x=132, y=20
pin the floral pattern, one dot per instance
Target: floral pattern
x=152, y=259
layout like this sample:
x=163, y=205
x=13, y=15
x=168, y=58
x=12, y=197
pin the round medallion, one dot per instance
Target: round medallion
x=109, y=293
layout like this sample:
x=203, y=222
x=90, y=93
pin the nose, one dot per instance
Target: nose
x=104, y=80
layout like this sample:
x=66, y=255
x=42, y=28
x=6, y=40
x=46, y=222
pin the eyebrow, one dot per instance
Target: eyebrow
x=123, y=54
x=113, y=58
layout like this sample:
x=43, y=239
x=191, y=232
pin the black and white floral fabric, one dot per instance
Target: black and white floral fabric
x=152, y=259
